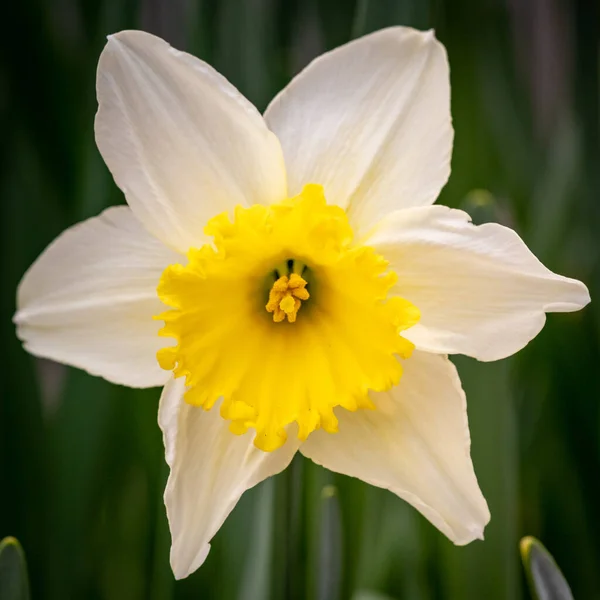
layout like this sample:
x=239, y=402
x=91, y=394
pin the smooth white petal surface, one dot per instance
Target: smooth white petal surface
x=210, y=469
x=481, y=292
x=89, y=299
x=416, y=443
x=370, y=121
x=181, y=142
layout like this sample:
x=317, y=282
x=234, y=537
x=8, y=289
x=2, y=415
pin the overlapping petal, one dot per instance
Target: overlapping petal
x=415, y=443
x=370, y=121
x=88, y=300
x=179, y=139
x=210, y=469
x=480, y=290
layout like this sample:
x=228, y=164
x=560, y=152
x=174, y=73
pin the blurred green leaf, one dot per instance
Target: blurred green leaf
x=370, y=595
x=481, y=206
x=330, y=555
x=244, y=49
x=257, y=574
x=371, y=15
x=488, y=568
x=546, y=581
x=14, y=583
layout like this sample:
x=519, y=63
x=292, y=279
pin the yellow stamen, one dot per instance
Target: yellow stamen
x=285, y=297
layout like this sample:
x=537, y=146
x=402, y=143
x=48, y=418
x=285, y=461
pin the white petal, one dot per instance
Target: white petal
x=89, y=299
x=415, y=443
x=210, y=470
x=179, y=139
x=371, y=122
x=481, y=292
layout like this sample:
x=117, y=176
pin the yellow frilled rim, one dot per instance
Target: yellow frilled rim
x=284, y=319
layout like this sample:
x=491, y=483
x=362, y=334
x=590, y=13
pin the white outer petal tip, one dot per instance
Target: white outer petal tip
x=180, y=141
x=90, y=297
x=371, y=122
x=210, y=470
x=416, y=443
x=180, y=569
x=480, y=290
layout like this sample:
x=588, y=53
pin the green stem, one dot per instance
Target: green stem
x=294, y=580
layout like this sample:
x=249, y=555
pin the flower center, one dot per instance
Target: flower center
x=285, y=297
x=268, y=375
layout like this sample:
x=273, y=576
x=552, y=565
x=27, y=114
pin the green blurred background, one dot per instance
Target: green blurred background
x=81, y=461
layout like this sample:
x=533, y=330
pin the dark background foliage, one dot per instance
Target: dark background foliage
x=81, y=461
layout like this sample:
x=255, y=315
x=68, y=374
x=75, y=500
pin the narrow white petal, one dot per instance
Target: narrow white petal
x=481, y=292
x=181, y=142
x=88, y=300
x=210, y=470
x=415, y=443
x=371, y=122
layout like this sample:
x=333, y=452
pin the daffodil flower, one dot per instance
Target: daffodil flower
x=287, y=279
